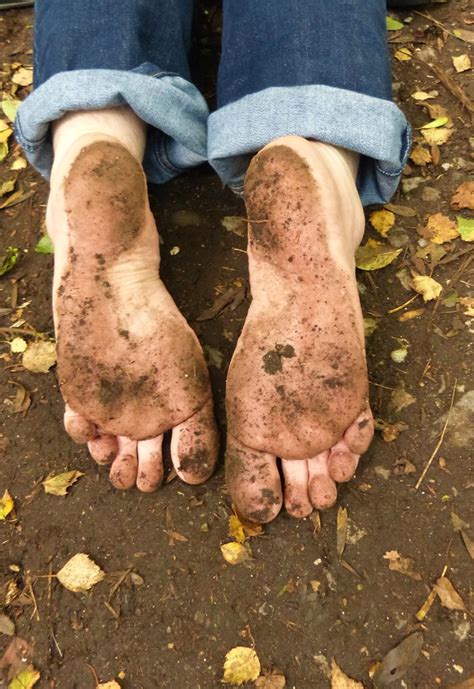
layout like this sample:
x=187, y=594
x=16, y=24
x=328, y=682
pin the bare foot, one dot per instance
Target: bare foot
x=297, y=387
x=130, y=368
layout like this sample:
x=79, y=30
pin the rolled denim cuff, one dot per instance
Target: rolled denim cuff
x=174, y=108
x=373, y=127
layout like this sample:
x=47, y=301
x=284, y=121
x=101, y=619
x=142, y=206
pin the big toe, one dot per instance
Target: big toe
x=195, y=446
x=253, y=481
x=360, y=433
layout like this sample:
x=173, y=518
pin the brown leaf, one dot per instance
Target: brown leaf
x=463, y=197
x=420, y=155
x=448, y=595
x=469, y=543
x=400, y=399
x=274, y=680
x=404, y=565
x=404, y=466
x=439, y=229
x=176, y=536
x=18, y=654
x=339, y=679
x=404, y=211
x=468, y=684
x=22, y=400
x=233, y=297
x=341, y=530
x=399, y=660
x=391, y=431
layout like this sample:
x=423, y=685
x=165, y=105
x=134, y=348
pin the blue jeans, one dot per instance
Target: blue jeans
x=316, y=68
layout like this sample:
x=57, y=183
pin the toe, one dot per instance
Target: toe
x=253, y=481
x=195, y=446
x=322, y=489
x=150, y=464
x=123, y=471
x=103, y=448
x=342, y=463
x=359, y=434
x=297, y=500
x=79, y=428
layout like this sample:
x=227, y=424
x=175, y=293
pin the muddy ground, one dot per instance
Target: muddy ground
x=295, y=602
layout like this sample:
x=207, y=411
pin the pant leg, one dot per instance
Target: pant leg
x=92, y=54
x=315, y=68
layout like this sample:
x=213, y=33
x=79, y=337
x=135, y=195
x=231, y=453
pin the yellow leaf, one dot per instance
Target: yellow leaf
x=437, y=136
x=423, y=95
x=3, y=150
x=18, y=164
x=10, y=107
x=370, y=325
x=420, y=155
x=382, y=221
x=439, y=229
x=18, y=345
x=235, y=553
x=403, y=54
x=5, y=134
x=39, y=357
x=6, y=505
x=429, y=288
x=241, y=665
x=465, y=228
x=26, y=679
x=59, y=484
x=80, y=573
x=375, y=255
x=438, y=122
x=448, y=595
x=23, y=77
x=461, y=63
x=339, y=680
x=109, y=685
x=236, y=529
x=7, y=187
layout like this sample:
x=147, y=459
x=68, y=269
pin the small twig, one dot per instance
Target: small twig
x=113, y=612
x=439, y=24
x=440, y=441
x=29, y=586
x=94, y=674
x=22, y=331
x=56, y=644
x=119, y=582
x=50, y=582
x=379, y=385
x=451, y=85
x=402, y=306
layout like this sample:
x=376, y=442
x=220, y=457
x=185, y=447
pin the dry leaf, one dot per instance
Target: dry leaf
x=7, y=627
x=426, y=286
x=404, y=565
x=10, y=107
x=109, y=685
x=235, y=224
x=463, y=197
x=18, y=164
x=39, y=357
x=26, y=679
x=409, y=315
x=437, y=137
x=59, y=484
x=404, y=211
x=425, y=608
x=6, y=505
x=375, y=255
x=420, y=155
x=241, y=665
x=458, y=523
x=424, y=95
x=448, y=595
x=439, y=229
x=464, y=34
x=339, y=680
x=403, y=54
x=403, y=466
x=461, y=63
x=18, y=345
x=22, y=400
x=341, y=530
x=399, y=660
x=7, y=187
x=235, y=553
x=382, y=221
x=400, y=399
x=370, y=326
x=274, y=680
x=469, y=543
x=236, y=529
x=23, y=77
x=390, y=431
x=80, y=573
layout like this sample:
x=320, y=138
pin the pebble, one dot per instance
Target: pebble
x=430, y=194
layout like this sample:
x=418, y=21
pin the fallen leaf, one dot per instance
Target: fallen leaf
x=403, y=54
x=18, y=345
x=464, y=34
x=23, y=77
x=400, y=399
x=463, y=197
x=394, y=24
x=390, y=431
x=427, y=287
x=370, y=325
x=468, y=684
x=241, y=665
x=7, y=627
x=45, y=245
x=274, y=680
x=109, y=685
x=18, y=655
x=175, y=536
x=232, y=297
x=235, y=224
x=468, y=303
x=6, y=505
x=3, y=150
x=434, y=124
x=458, y=523
x=469, y=543
x=7, y=187
x=80, y=573
x=341, y=530
x=439, y=229
x=437, y=137
x=382, y=221
x=426, y=607
x=461, y=63
x=59, y=484
x=404, y=211
x=438, y=112
x=339, y=679
x=10, y=107
x=5, y=134
x=22, y=400
x=424, y=95
x=448, y=595
x=236, y=529
x=420, y=155
x=39, y=357
x=9, y=260
x=18, y=164
x=409, y=315
x=403, y=565
x=375, y=255
x=399, y=660
x=26, y=679
x=235, y=553
x=465, y=227
x=403, y=466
